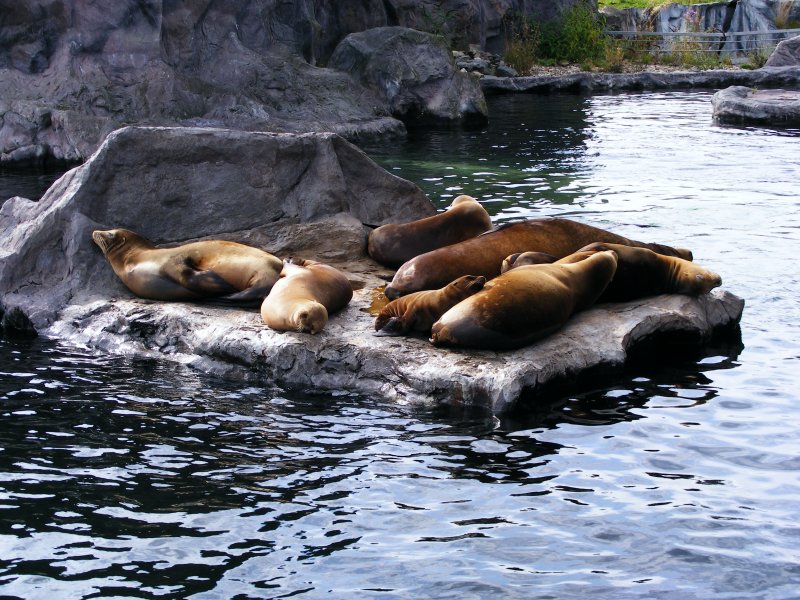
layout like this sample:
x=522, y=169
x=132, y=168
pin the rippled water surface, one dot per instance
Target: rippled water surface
x=132, y=478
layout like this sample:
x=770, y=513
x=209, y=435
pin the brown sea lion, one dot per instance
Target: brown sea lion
x=642, y=272
x=420, y=310
x=199, y=270
x=305, y=295
x=394, y=244
x=484, y=254
x=525, y=304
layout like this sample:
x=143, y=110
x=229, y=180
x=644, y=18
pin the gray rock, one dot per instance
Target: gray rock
x=414, y=73
x=15, y=324
x=739, y=104
x=298, y=194
x=347, y=356
x=504, y=70
x=786, y=54
x=284, y=192
x=646, y=80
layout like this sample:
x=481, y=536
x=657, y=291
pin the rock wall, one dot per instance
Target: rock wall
x=72, y=71
x=736, y=16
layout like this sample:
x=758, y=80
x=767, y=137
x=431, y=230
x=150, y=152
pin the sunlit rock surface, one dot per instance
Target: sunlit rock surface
x=305, y=195
x=786, y=54
x=739, y=104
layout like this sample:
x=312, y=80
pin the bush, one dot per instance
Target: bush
x=577, y=37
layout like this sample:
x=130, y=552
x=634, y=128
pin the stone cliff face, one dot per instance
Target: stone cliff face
x=736, y=16
x=71, y=71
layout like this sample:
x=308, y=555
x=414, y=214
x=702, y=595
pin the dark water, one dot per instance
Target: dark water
x=130, y=478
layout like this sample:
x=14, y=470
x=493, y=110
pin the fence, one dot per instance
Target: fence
x=722, y=44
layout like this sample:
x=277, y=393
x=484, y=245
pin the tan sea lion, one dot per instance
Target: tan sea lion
x=483, y=255
x=305, y=295
x=525, y=304
x=199, y=270
x=420, y=310
x=642, y=272
x=394, y=244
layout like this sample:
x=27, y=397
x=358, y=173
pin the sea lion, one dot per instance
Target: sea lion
x=525, y=304
x=420, y=310
x=642, y=272
x=483, y=255
x=305, y=295
x=199, y=270
x=394, y=244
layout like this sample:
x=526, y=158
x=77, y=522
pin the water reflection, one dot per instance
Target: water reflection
x=31, y=182
x=134, y=478
x=527, y=162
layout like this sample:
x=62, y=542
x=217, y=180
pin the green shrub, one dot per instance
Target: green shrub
x=576, y=37
x=522, y=49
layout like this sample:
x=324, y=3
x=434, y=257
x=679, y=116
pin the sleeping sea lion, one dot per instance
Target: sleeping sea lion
x=642, y=272
x=525, y=304
x=394, y=244
x=199, y=270
x=305, y=295
x=483, y=255
x=420, y=310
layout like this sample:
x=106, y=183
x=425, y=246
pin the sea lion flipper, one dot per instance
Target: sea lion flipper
x=252, y=295
x=207, y=283
x=392, y=326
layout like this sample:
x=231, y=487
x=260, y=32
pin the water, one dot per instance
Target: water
x=131, y=478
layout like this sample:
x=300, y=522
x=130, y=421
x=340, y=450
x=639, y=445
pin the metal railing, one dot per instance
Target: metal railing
x=667, y=42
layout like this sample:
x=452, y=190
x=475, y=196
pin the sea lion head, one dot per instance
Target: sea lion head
x=113, y=240
x=469, y=284
x=309, y=317
x=694, y=280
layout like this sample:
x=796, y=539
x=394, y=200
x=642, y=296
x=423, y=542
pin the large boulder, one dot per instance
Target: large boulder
x=739, y=104
x=414, y=73
x=286, y=193
x=786, y=54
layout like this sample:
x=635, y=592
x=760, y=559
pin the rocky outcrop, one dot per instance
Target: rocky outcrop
x=786, y=54
x=283, y=192
x=738, y=104
x=414, y=73
x=347, y=356
x=305, y=195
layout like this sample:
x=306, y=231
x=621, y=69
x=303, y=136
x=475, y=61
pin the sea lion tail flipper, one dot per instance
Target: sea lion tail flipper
x=252, y=295
x=206, y=282
x=391, y=326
